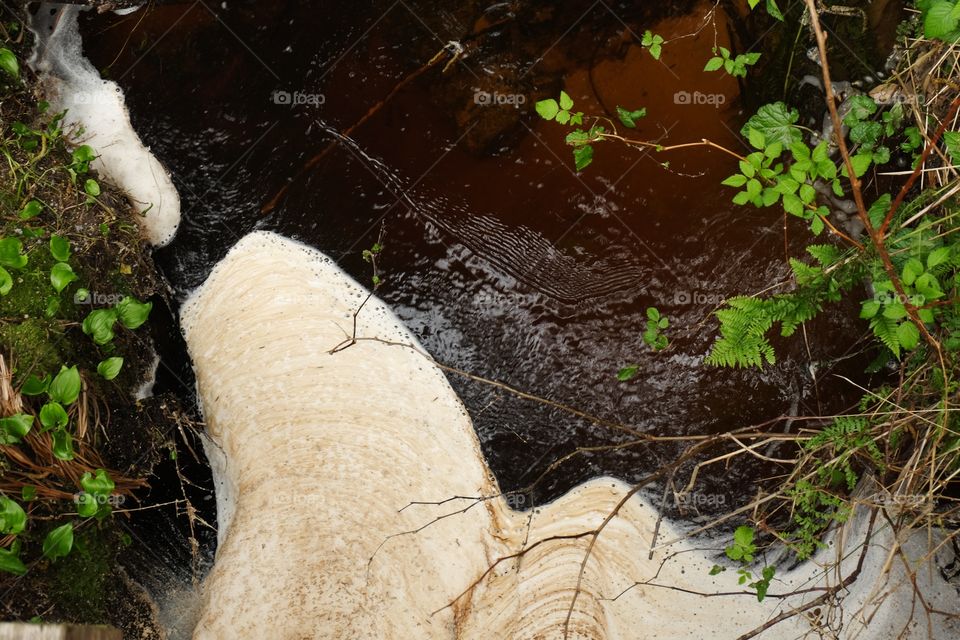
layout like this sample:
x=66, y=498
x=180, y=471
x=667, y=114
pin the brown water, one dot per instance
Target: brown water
x=505, y=262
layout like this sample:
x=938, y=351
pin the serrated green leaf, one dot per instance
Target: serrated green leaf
x=629, y=118
x=713, y=64
x=582, y=157
x=777, y=123
x=937, y=257
x=548, y=109
x=737, y=180
x=908, y=334
x=911, y=271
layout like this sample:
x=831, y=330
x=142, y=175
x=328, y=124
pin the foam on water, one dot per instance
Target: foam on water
x=96, y=114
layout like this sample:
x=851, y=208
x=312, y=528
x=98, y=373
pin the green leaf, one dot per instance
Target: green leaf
x=908, y=334
x=878, y=210
x=939, y=21
x=547, y=109
x=82, y=156
x=65, y=387
x=14, y=428
x=91, y=187
x=861, y=108
x=774, y=10
x=53, y=306
x=9, y=64
x=28, y=492
x=566, y=102
x=53, y=416
x=860, y=162
x=31, y=210
x=894, y=311
x=563, y=117
x=869, y=309
x=736, y=180
x=110, y=368
x=11, y=253
x=99, y=325
x=58, y=542
x=627, y=373
x=776, y=122
x=34, y=386
x=86, y=505
x=629, y=118
x=98, y=483
x=938, y=256
x=929, y=286
x=717, y=569
x=911, y=271
x=59, y=248
x=13, y=520
x=951, y=140
x=713, y=63
x=582, y=156
x=61, y=275
x=133, y=313
x=62, y=444
x=793, y=205
x=6, y=282
x=10, y=560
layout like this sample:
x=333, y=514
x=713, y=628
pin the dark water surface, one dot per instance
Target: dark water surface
x=502, y=260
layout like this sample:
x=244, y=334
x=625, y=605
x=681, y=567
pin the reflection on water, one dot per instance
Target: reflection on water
x=505, y=262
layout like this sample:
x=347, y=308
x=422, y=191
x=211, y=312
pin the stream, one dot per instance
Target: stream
x=502, y=260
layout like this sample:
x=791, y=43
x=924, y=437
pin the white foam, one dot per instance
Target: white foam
x=318, y=454
x=97, y=115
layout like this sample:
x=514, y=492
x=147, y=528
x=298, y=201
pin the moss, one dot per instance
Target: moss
x=33, y=346
x=79, y=581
